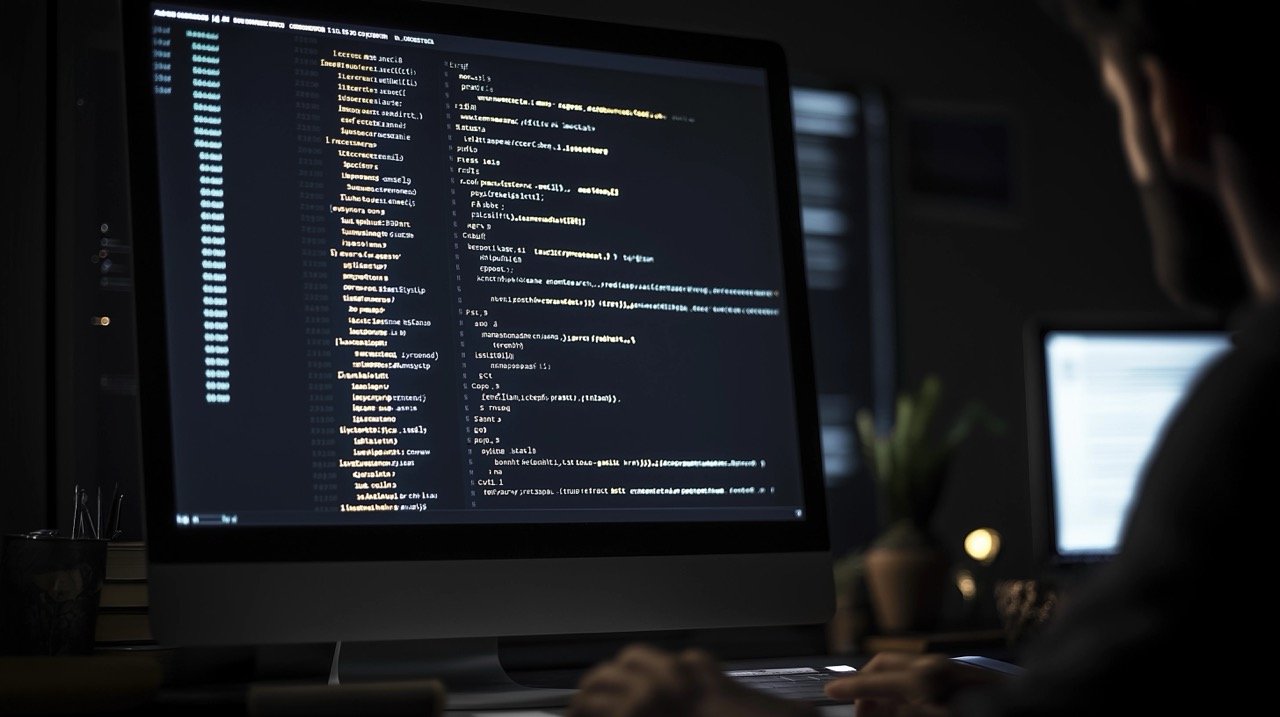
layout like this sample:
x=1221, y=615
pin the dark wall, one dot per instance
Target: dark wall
x=24, y=367
x=968, y=280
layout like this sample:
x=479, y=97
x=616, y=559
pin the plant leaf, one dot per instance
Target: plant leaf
x=866, y=431
x=899, y=434
x=973, y=414
x=926, y=405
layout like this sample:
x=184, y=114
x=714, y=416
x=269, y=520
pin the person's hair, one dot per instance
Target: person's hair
x=1221, y=48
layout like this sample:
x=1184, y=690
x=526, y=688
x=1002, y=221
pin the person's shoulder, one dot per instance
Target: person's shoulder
x=1236, y=397
x=1256, y=330
x=1251, y=368
x=1223, y=436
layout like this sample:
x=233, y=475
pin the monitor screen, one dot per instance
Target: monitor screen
x=1108, y=394
x=438, y=286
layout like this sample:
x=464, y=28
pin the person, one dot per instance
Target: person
x=1175, y=621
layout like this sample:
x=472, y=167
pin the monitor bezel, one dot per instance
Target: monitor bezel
x=167, y=542
x=1043, y=513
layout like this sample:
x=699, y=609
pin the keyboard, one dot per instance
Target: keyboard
x=793, y=683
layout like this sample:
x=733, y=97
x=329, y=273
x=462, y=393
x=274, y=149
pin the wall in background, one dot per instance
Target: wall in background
x=24, y=367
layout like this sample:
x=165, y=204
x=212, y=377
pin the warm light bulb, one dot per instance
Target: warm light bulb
x=983, y=545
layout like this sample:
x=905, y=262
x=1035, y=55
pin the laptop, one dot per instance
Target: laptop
x=1100, y=392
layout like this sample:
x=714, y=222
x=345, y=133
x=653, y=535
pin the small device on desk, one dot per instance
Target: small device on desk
x=464, y=324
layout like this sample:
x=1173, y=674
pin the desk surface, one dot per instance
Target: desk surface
x=147, y=683
x=832, y=710
x=136, y=685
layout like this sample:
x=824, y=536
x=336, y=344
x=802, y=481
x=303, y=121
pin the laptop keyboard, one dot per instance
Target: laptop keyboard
x=793, y=683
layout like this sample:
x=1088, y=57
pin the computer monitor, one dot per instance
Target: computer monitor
x=1100, y=392
x=460, y=323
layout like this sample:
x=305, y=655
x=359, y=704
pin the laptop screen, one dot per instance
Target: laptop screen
x=1105, y=397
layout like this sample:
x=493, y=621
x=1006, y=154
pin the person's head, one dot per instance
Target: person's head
x=1190, y=80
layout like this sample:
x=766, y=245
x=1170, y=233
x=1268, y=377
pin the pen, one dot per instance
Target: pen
x=112, y=526
x=86, y=517
x=115, y=527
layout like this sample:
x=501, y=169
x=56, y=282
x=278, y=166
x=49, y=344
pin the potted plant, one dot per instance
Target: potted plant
x=905, y=567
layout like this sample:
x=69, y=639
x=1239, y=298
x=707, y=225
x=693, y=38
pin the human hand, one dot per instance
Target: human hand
x=643, y=681
x=894, y=684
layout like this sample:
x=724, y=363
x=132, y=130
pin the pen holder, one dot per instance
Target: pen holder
x=49, y=591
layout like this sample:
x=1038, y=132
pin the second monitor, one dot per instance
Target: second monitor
x=1101, y=392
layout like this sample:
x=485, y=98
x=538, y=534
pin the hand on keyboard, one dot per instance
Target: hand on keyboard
x=643, y=681
x=900, y=684
x=793, y=683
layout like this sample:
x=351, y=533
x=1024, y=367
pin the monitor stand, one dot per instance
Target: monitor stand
x=469, y=668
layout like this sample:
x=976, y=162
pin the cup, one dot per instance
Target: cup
x=49, y=592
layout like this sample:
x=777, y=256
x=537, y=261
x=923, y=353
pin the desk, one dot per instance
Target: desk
x=143, y=683
x=825, y=711
x=134, y=685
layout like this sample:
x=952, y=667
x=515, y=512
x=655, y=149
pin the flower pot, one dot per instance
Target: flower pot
x=906, y=586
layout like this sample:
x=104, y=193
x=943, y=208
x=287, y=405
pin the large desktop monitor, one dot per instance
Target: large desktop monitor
x=459, y=323
x=1101, y=390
